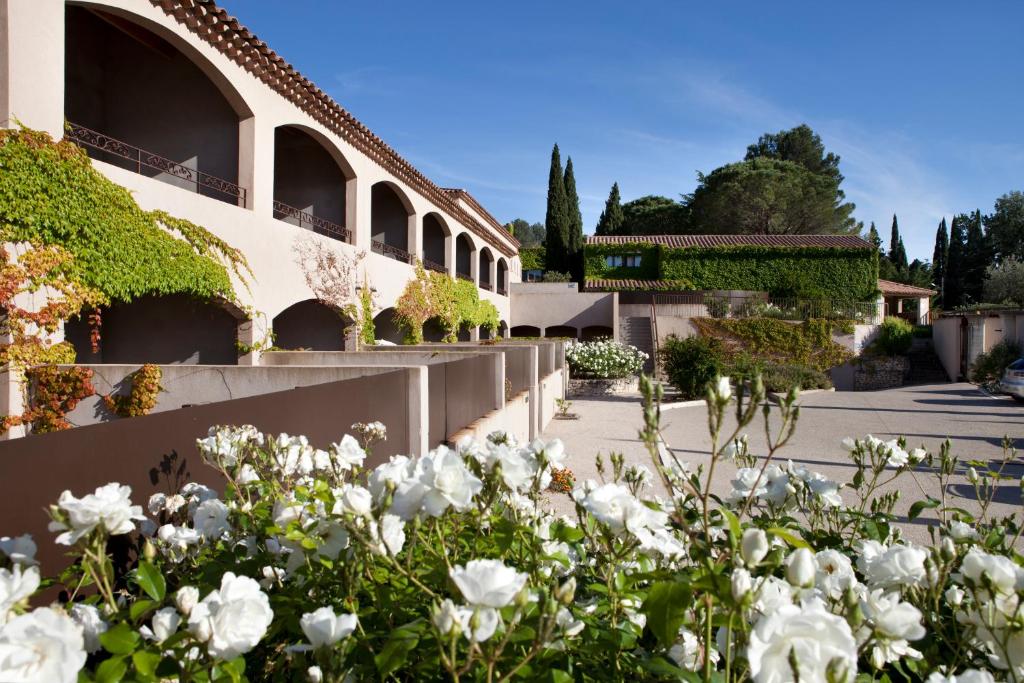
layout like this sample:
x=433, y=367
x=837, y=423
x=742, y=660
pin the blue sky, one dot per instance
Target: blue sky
x=922, y=100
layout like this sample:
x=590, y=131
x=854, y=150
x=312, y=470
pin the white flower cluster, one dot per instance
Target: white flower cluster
x=604, y=359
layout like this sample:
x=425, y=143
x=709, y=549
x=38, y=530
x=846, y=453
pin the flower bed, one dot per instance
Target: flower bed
x=603, y=359
x=447, y=567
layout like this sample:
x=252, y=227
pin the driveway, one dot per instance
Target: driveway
x=925, y=415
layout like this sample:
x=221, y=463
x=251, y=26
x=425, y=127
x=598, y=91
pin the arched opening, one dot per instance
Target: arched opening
x=592, y=332
x=309, y=184
x=503, y=329
x=385, y=327
x=390, y=217
x=433, y=331
x=134, y=100
x=312, y=326
x=465, y=334
x=464, y=257
x=485, y=332
x=435, y=240
x=486, y=259
x=525, y=331
x=560, y=331
x=502, y=276
x=166, y=330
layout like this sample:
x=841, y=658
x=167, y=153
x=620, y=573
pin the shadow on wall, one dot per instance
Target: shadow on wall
x=166, y=330
x=310, y=325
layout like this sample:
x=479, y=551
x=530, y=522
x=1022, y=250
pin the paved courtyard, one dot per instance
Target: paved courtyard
x=925, y=415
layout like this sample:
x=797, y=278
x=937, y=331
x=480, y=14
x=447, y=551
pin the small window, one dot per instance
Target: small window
x=613, y=261
x=633, y=261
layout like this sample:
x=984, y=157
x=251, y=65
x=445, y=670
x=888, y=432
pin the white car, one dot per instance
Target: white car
x=1013, y=379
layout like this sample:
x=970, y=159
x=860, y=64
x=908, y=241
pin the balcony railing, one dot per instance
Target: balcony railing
x=434, y=265
x=304, y=219
x=391, y=251
x=140, y=159
x=484, y=284
x=502, y=291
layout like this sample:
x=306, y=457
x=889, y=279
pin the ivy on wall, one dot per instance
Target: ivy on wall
x=454, y=303
x=142, y=396
x=801, y=272
x=807, y=343
x=52, y=195
x=532, y=258
x=57, y=391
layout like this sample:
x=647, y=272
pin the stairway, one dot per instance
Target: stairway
x=636, y=331
x=925, y=367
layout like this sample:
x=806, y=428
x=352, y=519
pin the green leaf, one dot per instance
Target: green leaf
x=503, y=531
x=789, y=537
x=394, y=653
x=734, y=523
x=920, y=506
x=139, y=608
x=151, y=580
x=665, y=607
x=145, y=663
x=120, y=640
x=111, y=670
x=558, y=676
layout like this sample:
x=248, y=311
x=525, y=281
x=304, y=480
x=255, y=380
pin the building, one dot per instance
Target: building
x=178, y=102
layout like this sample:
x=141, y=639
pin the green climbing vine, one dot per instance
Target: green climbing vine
x=57, y=390
x=367, y=334
x=454, y=303
x=142, y=396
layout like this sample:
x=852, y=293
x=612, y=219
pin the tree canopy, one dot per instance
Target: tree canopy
x=1005, y=226
x=611, y=220
x=528, y=234
x=653, y=215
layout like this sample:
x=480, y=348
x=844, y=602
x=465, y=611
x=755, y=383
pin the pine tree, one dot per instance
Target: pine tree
x=897, y=253
x=574, y=245
x=556, y=220
x=939, y=257
x=953, y=294
x=874, y=238
x=610, y=222
x=976, y=259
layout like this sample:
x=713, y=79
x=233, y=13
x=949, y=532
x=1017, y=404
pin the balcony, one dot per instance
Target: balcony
x=391, y=251
x=304, y=219
x=142, y=162
x=434, y=265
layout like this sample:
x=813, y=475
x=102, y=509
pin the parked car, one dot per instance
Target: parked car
x=1013, y=379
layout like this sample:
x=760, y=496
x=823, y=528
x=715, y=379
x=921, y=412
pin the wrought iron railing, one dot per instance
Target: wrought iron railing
x=391, y=251
x=434, y=265
x=756, y=305
x=204, y=183
x=464, y=276
x=305, y=219
x=484, y=284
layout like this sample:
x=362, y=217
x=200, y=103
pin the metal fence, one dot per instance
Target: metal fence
x=756, y=305
x=304, y=219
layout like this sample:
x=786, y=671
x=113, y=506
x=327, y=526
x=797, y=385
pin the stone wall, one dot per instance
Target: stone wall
x=603, y=387
x=880, y=373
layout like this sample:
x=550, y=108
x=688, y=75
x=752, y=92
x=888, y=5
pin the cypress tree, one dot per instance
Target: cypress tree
x=610, y=222
x=574, y=245
x=875, y=238
x=556, y=220
x=897, y=254
x=939, y=260
x=976, y=259
x=953, y=292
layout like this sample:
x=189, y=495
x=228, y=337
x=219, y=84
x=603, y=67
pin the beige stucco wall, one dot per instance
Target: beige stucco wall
x=32, y=59
x=946, y=340
x=549, y=304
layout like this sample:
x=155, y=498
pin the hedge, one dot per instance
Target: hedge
x=532, y=258
x=801, y=272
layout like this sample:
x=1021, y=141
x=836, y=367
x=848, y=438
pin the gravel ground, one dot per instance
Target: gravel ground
x=926, y=415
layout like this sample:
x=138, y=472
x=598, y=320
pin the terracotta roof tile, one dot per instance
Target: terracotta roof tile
x=683, y=241
x=890, y=288
x=236, y=42
x=607, y=285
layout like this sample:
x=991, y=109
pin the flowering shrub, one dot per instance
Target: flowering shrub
x=446, y=566
x=604, y=359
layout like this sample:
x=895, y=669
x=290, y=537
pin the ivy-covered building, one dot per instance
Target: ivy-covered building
x=831, y=267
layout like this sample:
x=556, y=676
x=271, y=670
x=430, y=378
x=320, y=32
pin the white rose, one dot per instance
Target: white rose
x=688, y=652
x=324, y=628
x=88, y=617
x=741, y=583
x=211, y=519
x=43, y=646
x=898, y=565
x=567, y=623
x=448, y=482
x=186, y=598
x=446, y=618
x=834, y=574
x=394, y=471
x=354, y=500
x=723, y=389
x=314, y=674
x=518, y=467
x=19, y=550
x=165, y=623
x=478, y=624
x=753, y=546
x=393, y=533
x=966, y=676
x=811, y=635
x=232, y=619
x=1003, y=574
x=247, y=475
x=488, y=583
x=109, y=507
x=614, y=506
x=800, y=568
x=348, y=452
x=16, y=585
x=895, y=623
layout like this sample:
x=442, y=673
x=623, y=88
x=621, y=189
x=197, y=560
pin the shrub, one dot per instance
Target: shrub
x=988, y=367
x=555, y=276
x=448, y=566
x=691, y=364
x=781, y=378
x=895, y=337
x=603, y=359
x=778, y=341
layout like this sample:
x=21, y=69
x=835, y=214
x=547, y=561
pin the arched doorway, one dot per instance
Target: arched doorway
x=592, y=332
x=464, y=257
x=435, y=243
x=310, y=184
x=166, y=330
x=560, y=331
x=391, y=221
x=134, y=100
x=486, y=259
x=385, y=327
x=502, y=276
x=503, y=329
x=312, y=326
x=525, y=331
x=433, y=331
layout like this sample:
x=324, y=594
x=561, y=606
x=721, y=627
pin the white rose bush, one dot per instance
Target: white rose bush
x=311, y=565
x=603, y=359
